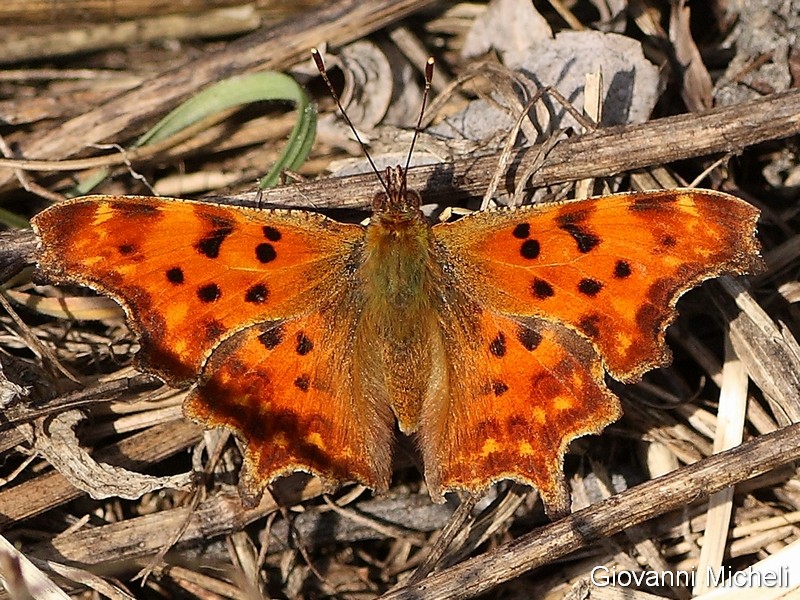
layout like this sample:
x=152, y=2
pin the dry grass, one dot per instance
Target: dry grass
x=102, y=476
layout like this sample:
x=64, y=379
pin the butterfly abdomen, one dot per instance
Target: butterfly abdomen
x=399, y=324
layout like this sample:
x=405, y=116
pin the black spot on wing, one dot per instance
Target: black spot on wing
x=589, y=325
x=498, y=345
x=209, y=245
x=530, y=249
x=303, y=382
x=541, y=289
x=272, y=234
x=499, y=388
x=584, y=238
x=529, y=338
x=521, y=231
x=622, y=269
x=304, y=345
x=589, y=287
x=668, y=241
x=257, y=294
x=209, y=293
x=175, y=275
x=271, y=338
x=265, y=253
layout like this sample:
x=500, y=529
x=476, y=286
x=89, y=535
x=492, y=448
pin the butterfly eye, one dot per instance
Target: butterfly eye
x=413, y=199
x=380, y=202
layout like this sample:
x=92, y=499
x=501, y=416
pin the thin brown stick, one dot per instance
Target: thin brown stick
x=46, y=12
x=51, y=489
x=585, y=527
x=457, y=522
x=145, y=535
x=600, y=153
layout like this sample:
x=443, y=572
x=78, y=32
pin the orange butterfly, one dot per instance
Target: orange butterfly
x=488, y=337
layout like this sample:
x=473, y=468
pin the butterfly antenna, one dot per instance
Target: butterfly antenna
x=428, y=78
x=324, y=73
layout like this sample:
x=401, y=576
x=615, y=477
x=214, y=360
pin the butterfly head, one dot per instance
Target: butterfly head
x=396, y=200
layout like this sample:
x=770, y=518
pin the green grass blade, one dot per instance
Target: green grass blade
x=237, y=91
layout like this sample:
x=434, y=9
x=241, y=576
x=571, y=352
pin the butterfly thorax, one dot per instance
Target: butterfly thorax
x=399, y=320
x=398, y=249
